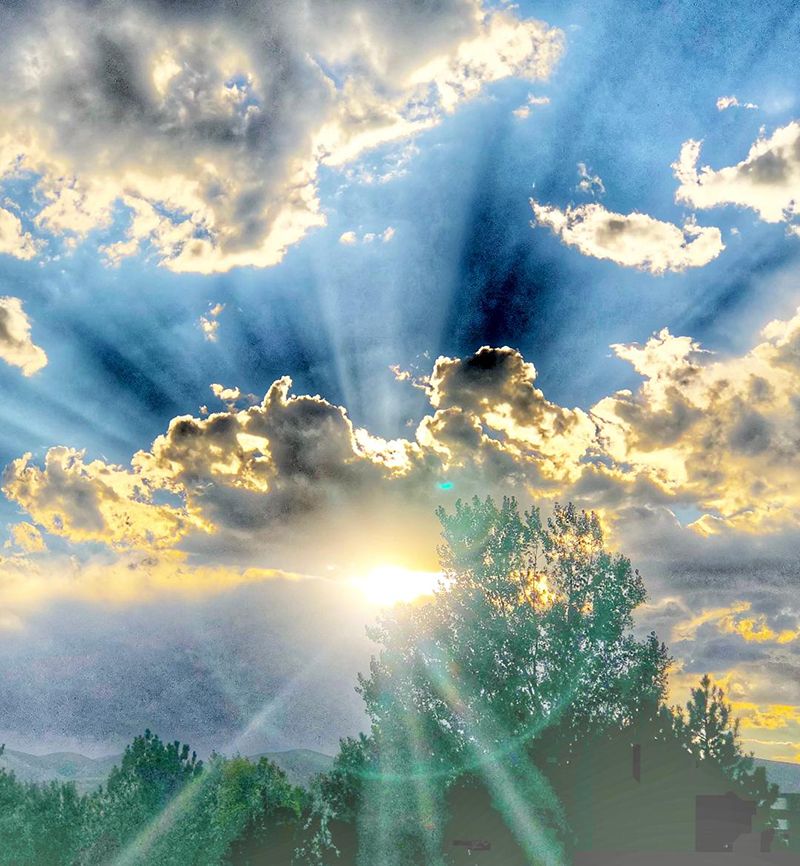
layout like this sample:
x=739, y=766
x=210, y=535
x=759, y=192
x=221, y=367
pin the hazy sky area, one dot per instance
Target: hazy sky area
x=278, y=279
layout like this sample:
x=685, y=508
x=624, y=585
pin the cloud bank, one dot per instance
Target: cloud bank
x=201, y=128
x=717, y=432
x=290, y=486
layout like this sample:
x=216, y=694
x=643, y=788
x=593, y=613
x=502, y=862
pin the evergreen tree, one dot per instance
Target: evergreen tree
x=709, y=730
x=151, y=774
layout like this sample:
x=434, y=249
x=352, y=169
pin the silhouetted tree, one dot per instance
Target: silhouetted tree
x=708, y=728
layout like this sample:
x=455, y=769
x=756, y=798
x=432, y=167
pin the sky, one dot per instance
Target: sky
x=277, y=280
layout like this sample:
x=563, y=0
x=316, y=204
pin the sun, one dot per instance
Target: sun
x=388, y=584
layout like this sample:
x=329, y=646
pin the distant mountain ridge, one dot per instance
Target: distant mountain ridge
x=300, y=766
x=782, y=773
x=86, y=773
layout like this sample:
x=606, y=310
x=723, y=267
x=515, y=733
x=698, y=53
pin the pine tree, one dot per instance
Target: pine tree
x=710, y=731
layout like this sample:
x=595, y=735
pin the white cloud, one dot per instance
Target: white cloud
x=179, y=118
x=13, y=240
x=350, y=238
x=209, y=323
x=726, y=102
x=589, y=183
x=524, y=111
x=767, y=180
x=633, y=240
x=16, y=346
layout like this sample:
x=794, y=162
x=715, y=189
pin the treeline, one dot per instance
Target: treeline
x=161, y=805
x=524, y=660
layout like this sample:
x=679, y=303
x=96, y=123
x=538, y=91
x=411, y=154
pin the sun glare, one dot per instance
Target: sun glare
x=389, y=584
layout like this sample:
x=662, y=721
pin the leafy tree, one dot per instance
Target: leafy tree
x=336, y=800
x=39, y=824
x=533, y=623
x=164, y=807
x=531, y=628
x=258, y=811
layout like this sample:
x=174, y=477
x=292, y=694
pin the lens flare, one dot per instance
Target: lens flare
x=389, y=584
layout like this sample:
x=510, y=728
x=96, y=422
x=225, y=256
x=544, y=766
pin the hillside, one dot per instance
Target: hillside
x=86, y=773
x=300, y=765
x=783, y=774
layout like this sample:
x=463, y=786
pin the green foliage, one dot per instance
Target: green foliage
x=39, y=824
x=149, y=778
x=161, y=807
x=532, y=625
x=708, y=729
x=530, y=631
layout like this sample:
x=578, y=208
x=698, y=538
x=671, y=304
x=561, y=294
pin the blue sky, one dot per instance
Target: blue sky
x=451, y=262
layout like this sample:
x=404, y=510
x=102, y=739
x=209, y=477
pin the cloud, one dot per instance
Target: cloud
x=291, y=485
x=26, y=538
x=265, y=479
x=229, y=396
x=13, y=240
x=735, y=619
x=350, y=238
x=634, y=240
x=203, y=130
x=718, y=432
x=16, y=346
x=209, y=323
x=589, y=183
x=524, y=111
x=490, y=400
x=726, y=102
x=95, y=501
x=766, y=181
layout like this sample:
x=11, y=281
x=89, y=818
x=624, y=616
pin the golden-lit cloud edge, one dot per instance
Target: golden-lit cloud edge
x=177, y=126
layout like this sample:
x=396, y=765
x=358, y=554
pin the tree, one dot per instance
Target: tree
x=150, y=776
x=530, y=628
x=164, y=807
x=709, y=730
x=258, y=811
x=532, y=624
x=39, y=823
